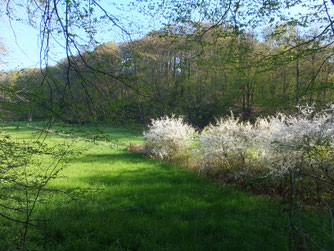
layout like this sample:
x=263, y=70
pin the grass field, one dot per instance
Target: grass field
x=129, y=202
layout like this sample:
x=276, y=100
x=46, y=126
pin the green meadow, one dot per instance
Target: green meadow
x=125, y=201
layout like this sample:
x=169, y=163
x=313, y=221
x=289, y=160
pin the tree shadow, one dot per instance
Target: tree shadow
x=161, y=207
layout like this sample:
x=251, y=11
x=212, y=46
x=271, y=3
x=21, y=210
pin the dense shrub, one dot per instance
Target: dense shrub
x=287, y=155
x=277, y=145
x=291, y=142
x=228, y=144
x=168, y=138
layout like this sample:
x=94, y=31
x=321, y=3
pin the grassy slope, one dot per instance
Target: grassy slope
x=140, y=204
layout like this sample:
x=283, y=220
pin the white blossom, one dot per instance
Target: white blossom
x=278, y=143
x=287, y=140
x=168, y=137
x=226, y=142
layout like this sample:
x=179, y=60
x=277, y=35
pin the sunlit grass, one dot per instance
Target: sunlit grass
x=126, y=201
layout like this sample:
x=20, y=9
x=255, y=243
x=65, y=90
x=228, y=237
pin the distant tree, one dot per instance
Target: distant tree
x=74, y=24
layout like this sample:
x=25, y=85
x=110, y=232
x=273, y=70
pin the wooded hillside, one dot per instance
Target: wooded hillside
x=200, y=72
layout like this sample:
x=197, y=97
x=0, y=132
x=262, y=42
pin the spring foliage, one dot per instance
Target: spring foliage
x=227, y=143
x=168, y=138
x=287, y=155
x=26, y=168
x=275, y=145
x=279, y=143
x=296, y=141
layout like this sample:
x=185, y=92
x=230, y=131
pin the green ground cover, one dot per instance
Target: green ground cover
x=130, y=202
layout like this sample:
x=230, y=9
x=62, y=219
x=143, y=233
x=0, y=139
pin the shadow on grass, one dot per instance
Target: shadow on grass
x=156, y=206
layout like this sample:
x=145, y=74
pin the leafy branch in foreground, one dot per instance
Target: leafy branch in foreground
x=26, y=168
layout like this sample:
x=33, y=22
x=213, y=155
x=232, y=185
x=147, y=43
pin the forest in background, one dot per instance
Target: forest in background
x=210, y=59
x=200, y=72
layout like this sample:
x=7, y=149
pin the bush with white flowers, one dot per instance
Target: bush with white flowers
x=276, y=144
x=291, y=142
x=228, y=144
x=168, y=138
x=287, y=155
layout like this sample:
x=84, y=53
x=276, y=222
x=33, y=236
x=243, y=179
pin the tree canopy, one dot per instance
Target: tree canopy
x=208, y=57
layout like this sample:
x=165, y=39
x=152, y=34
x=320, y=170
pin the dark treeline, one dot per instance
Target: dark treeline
x=200, y=73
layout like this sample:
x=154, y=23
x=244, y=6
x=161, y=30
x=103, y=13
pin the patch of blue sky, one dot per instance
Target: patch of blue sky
x=138, y=17
x=23, y=42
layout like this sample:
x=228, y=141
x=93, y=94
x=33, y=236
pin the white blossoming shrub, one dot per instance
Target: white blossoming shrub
x=287, y=155
x=274, y=145
x=289, y=142
x=227, y=144
x=168, y=138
